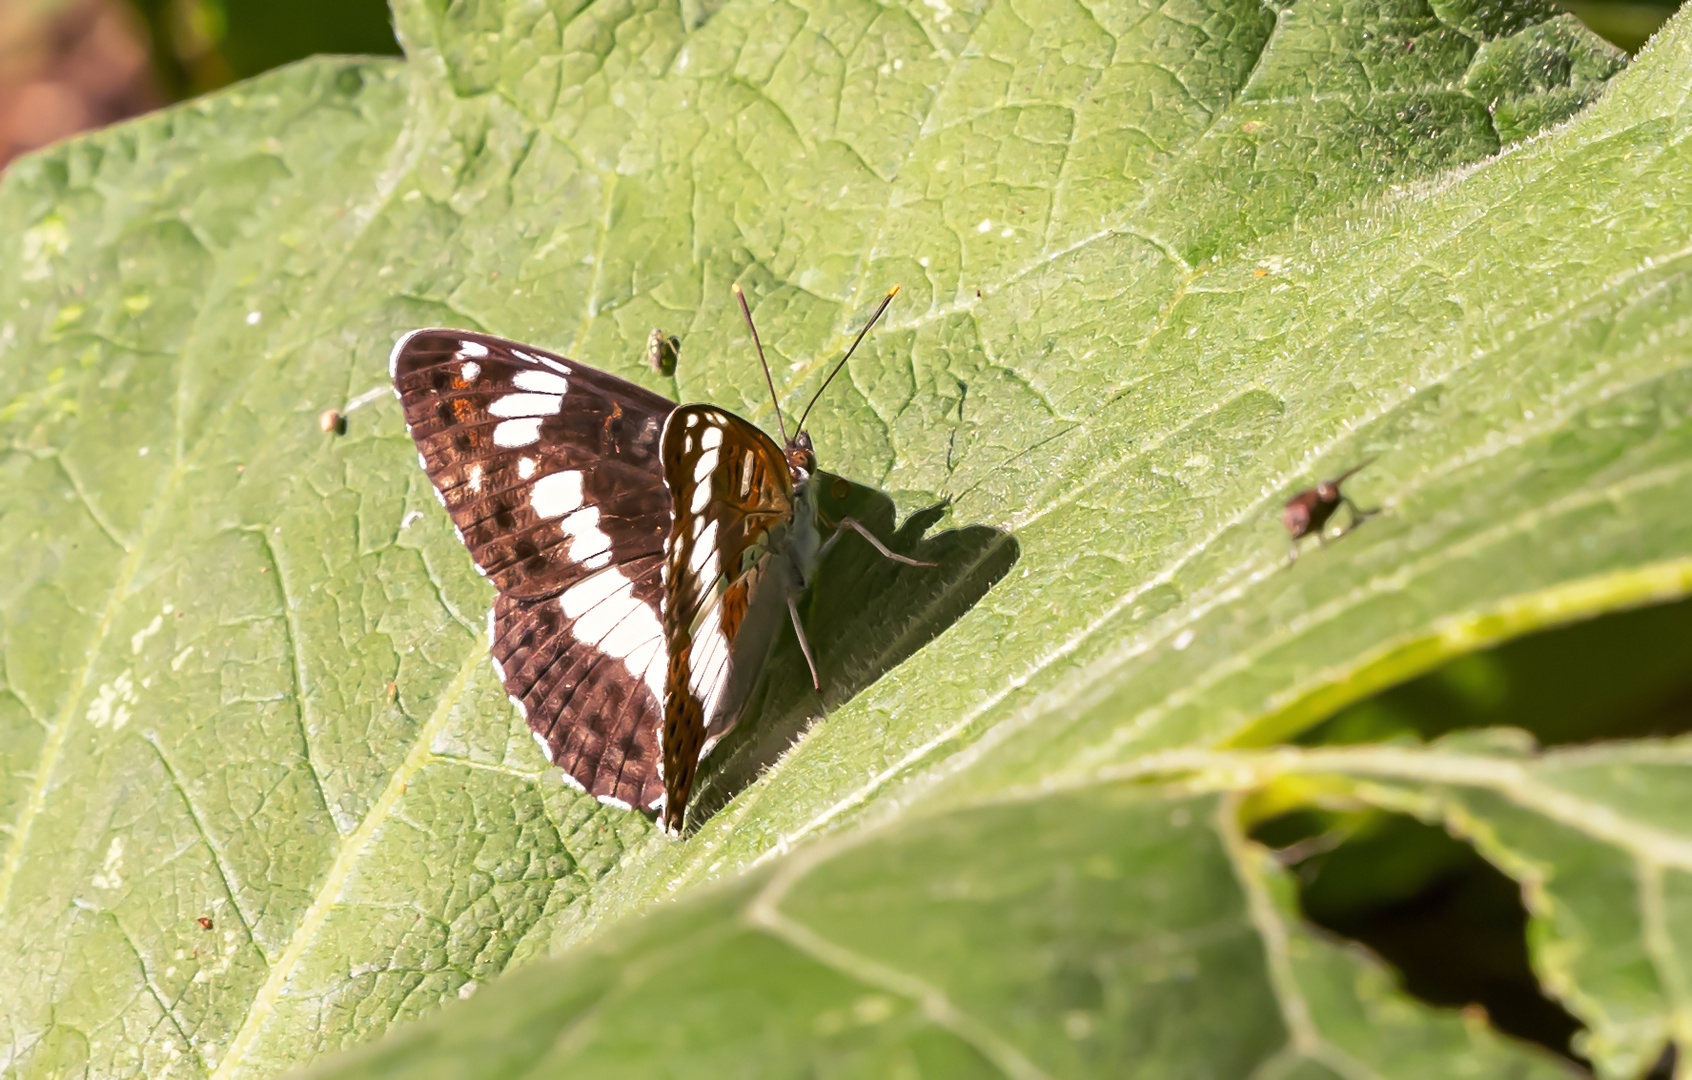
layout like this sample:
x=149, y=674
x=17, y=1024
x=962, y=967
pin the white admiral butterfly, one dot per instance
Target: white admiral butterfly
x=645, y=554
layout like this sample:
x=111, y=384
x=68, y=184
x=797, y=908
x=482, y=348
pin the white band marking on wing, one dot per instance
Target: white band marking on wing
x=607, y=614
x=708, y=671
x=515, y=433
x=704, y=466
x=526, y=405
x=705, y=552
x=544, y=382
x=557, y=494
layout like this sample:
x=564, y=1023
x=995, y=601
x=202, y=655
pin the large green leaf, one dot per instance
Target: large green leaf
x=1162, y=266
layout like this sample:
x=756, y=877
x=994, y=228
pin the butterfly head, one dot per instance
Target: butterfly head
x=801, y=458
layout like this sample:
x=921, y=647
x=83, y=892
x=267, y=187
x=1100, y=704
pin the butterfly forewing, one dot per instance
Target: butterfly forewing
x=549, y=469
x=552, y=475
x=731, y=494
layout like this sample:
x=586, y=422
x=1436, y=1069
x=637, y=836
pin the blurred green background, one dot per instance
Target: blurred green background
x=199, y=45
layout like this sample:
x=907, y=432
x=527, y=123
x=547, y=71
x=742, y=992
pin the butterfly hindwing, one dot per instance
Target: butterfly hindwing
x=586, y=668
x=552, y=475
x=731, y=498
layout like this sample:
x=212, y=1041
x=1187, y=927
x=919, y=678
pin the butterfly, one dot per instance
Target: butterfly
x=645, y=554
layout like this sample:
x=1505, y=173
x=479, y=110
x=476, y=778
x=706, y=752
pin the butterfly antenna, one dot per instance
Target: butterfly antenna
x=1354, y=470
x=888, y=299
x=746, y=311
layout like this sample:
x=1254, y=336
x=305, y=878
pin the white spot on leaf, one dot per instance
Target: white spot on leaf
x=139, y=638
x=110, y=707
x=110, y=875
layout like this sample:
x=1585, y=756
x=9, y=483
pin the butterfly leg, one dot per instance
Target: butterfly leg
x=851, y=523
x=804, y=646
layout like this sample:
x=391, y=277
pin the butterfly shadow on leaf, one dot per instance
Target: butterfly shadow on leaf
x=864, y=614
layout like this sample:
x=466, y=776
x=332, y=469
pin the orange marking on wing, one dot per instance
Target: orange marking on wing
x=732, y=607
x=610, y=423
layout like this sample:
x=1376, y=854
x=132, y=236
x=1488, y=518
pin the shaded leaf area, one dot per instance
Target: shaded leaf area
x=1093, y=932
x=1119, y=925
x=1627, y=675
x=1452, y=924
x=1162, y=265
x=1449, y=922
x=1595, y=839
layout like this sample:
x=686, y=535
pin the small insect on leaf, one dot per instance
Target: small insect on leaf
x=205, y=923
x=332, y=422
x=1308, y=511
x=662, y=352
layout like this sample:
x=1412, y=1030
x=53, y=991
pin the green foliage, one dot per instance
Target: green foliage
x=1163, y=265
x=201, y=45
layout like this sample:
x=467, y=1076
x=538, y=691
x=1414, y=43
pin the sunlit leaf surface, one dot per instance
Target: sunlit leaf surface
x=1162, y=266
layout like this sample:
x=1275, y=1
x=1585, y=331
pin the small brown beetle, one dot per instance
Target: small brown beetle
x=1308, y=511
